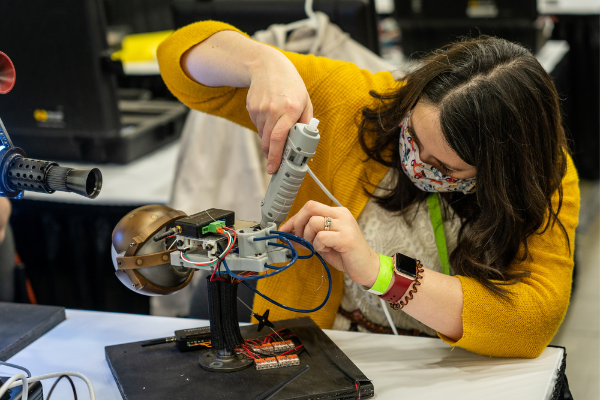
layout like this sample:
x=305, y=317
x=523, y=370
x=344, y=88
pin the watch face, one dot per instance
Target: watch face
x=406, y=265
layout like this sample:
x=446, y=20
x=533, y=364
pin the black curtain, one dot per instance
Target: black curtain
x=581, y=91
x=66, y=252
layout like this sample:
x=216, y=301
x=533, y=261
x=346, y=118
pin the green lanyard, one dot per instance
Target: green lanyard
x=435, y=213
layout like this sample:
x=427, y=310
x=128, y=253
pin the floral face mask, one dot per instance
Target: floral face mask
x=425, y=176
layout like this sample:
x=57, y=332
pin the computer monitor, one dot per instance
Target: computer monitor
x=356, y=17
x=427, y=25
x=62, y=89
x=65, y=105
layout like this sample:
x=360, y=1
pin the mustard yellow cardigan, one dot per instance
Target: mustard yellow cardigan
x=338, y=91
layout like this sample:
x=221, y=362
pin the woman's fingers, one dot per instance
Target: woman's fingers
x=287, y=226
x=307, y=113
x=277, y=138
x=313, y=209
x=315, y=225
x=274, y=115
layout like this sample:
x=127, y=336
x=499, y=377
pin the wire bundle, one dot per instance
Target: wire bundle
x=26, y=380
x=249, y=347
x=231, y=236
x=287, y=238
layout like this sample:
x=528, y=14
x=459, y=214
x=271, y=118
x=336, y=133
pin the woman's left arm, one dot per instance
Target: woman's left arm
x=464, y=312
x=439, y=300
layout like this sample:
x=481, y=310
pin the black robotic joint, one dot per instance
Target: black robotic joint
x=225, y=333
x=222, y=311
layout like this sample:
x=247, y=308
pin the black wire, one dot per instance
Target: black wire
x=219, y=263
x=59, y=378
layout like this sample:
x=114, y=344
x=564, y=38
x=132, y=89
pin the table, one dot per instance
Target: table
x=400, y=367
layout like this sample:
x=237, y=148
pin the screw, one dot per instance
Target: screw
x=209, y=247
x=131, y=244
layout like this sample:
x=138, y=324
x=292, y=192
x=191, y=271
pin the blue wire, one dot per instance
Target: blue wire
x=255, y=278
x=286, y=237
x=17, y=367
x=289, y=246
x=299, y=240
x=296, y=309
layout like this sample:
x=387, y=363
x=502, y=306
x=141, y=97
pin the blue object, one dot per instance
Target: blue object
x=286, y=237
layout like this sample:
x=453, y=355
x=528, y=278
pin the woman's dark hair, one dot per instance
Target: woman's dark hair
x=499, y=111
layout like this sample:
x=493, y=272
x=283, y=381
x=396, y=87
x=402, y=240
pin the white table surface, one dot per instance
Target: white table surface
x=399, y=367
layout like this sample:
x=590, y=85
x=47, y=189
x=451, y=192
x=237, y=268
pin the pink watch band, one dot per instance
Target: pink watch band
x=398, y=289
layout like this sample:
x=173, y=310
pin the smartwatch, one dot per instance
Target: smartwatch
x=405, y=269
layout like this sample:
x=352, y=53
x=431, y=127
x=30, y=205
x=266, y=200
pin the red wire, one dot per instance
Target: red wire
x=248, y=352
x=294, y=349
x=212, y=277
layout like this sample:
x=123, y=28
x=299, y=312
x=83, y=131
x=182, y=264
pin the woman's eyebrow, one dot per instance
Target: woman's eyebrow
x=414, y=133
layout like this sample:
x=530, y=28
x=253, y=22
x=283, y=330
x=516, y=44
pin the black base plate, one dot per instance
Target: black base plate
x=22, y=324
x=162, y=372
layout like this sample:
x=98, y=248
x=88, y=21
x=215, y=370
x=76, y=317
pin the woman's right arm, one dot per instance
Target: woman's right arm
x=277, y=97
x=214, y=68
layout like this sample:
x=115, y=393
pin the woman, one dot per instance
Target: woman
x=478, y=123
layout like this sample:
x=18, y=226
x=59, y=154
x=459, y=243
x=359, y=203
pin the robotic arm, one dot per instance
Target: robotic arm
x=156, y=249
x=19, y=173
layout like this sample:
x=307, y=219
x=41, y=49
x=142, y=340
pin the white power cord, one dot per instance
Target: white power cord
x=7, y=385
x=323, y=188
x=25, y=382
x=383, y=303
x=386, y=311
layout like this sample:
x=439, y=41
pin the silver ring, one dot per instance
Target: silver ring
x=327, y=223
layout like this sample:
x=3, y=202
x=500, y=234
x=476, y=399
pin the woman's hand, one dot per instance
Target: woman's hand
x=277, y=97
x=343, y=246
